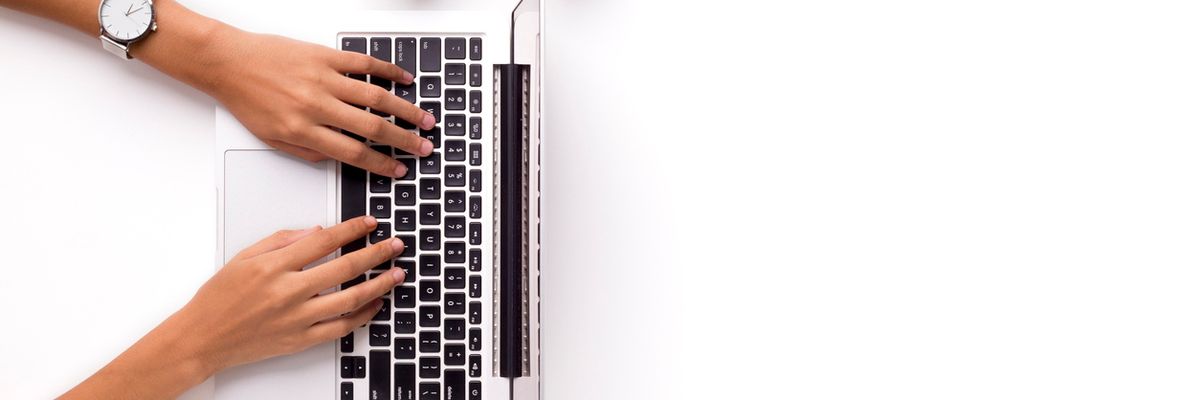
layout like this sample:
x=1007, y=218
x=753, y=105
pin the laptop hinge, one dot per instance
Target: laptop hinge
x=511, y=201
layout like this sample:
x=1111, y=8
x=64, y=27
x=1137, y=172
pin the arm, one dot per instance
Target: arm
x=292, y=95
x=262, y=304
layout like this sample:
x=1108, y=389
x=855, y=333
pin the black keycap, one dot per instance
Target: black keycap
x=456, y=74
x=405, y=295
x=380, y=383
x=456, y=329
x=430, y=391
x=476, y=49
x=475, y=286
x=476, y=183
x=475, y=366
x=456, y=124
x=354, y=192
x=430, y=316
x=431, y=86
x=406, y=381
x=381, y=149
x=455, y=384
x=476, y=207
x=431, y=54
x=383, y=231
x=408, y=93
x=476, y=340
x=476, y=233
x=430, y=342
x=405, y=348
x=456, y=252
x=456, y=175
x=456, y=278
x=434, y=108
x=456, y=99
x=380, y=207
x=430, y=214
x=431, y=265
x=431, y=164
x=406, y=54
x=406, y=195
x=381, y=48
x=357, y=45
x=382, y=315
x=455, y=303
x=431, y=188
x=409, y=271
x=406, y=220
x=405, y=322
x=409, y=249
x=476, y=75
x=456, y=150
x=382, y=266
x=475, y=313
x=476, y=392
x=476, y=260
x=434, y=135
x=476, y=101
x=354, y=367
x=379, y=335
x=410, y=166
x=430, y=367
x=456, y=227
x=347, y=391
x=352, y=282
x=347, y=343
x=431, y=290
x=431, y=239
x=353, y=246
x=456, y=201
x=476, y=154
x=456, y=48
x=476, y=127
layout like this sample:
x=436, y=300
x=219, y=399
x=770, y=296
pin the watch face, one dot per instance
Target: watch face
x=126, y=19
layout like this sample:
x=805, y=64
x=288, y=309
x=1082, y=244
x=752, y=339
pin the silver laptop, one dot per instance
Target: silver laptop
x=465, y=325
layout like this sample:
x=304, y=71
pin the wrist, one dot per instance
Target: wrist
x=185, y=46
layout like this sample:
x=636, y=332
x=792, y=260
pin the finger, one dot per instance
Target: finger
x=337, y=303
x=353, y=152
x=357, y=63
x=348, y=266
x=335, y=328
x=320, y=244
x=276, y=241
x=365, y=94
x=376, y=128
x=303, y=153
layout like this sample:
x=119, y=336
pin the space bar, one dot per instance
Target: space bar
x=354, y=192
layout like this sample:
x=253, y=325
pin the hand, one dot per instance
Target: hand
x=293, y=95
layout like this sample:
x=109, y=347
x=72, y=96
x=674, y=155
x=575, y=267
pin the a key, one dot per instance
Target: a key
x=455, y=384
x=476, y=341
x=476, y=260
x=455, y=303
x=456, y=329
x=406, y=195
x=431, y=164
x=475, y=286
x=475, y=313
x=410, y=166
x=431, y=265
x=357, y=45
x=405, y=322
x=405, y=220
x=431, y=86
x=456, y=175
x=476, y=233
x=383, y=230
x=456, y=252
x=380, y=183
x=456, y=48
x=431, y=188
x=434, y=135
x=354, y=192
x=430, y=391
x=456, y=278
x=456, y=124
x=405, y=348
x=476, y=154
x=408, y=93
x=406, y=381
x=354, y=367
x=476, y=127
x=347, y=391
x=431, y=290
x=476, y=183
x=434, y=108
x=476, y=101
x=476, y=49
x=429, y=316
x=406, y=58
x=431, y=54
x=409, y=249
x=456, y=150
x=476, y=75
x=353, y=246
x=456, y=99
x=381, y=48
x=379, y=207
x=354, y=281
x=407, y=266
x=379, y=335
x=456, y=74
x=475, y=366
x=405, y=295
x=347, y=343
x=456, y=227
x=430, y=342
x=380, y=382
x=431, y=239
x=456, y=201
x=430, y=214
x=430, y=367
x=476, y=207
x=381, y=315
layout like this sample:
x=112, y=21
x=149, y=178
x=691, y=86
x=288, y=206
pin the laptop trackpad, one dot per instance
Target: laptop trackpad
x=266, y=191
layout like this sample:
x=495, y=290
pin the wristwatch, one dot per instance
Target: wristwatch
x=123, y=23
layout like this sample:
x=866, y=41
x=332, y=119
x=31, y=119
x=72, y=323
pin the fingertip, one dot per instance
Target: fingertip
x=398, y=275
x=428, y=122
x=401, y=170
x=426, y=147
x=397, y=245
x=369, y=221
x=406, y=77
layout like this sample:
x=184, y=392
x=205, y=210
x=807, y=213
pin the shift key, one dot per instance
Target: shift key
x=406, y=382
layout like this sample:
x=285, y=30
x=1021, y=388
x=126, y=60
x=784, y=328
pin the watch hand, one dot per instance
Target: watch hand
x=129, y=12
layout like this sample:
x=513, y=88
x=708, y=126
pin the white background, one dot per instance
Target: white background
x=828, y=200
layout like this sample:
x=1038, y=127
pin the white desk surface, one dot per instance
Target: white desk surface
x=827, y=200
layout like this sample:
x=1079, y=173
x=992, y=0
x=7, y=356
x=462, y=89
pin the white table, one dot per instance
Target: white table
x=872, y=199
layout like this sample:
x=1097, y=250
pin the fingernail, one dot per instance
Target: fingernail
x=397, y=245
x=398, y=275
x=401, y=170
x=370, y=221
x=426, y=147
x=428, y=122
x=408, y=77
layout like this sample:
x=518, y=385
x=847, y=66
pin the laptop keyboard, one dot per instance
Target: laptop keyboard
x=428, y=341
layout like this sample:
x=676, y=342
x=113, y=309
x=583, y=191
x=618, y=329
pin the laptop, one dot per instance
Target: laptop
x=465, y=323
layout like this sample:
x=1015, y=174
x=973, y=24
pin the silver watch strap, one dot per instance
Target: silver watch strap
x=117, y=49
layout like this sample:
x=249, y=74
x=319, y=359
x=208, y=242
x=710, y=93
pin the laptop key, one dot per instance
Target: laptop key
x=476, y=391
x=354, y=192
x=411, y=168
x=456, y=329
x=347, y=391
x=430, y=214
x=381, y=49
x=476, y=128
x=456, y=99
x=455, y=303
x=476, y=208
x=429, y=316
x=475, y=342
x=456, y=278
x=475, y=287
x=431, y=164
x=476, y=154
x=456, y=252
x=434, y=108
x=347, y=343
x=431, y=54
x=406, y=195
x=431, y=265
x=431, y=188
x=379, y=334
x=431, y=86
x=456, y=74
x=410, y=248
x=353, y=367
x=430, y=342
x=456, y=176
x=380, y=207
x=353, y=281
x=405, y=220
x=476, y=49
x=356, y=45
x=475, y=315
x=456, y=201
x=405, y=295
x=476, y=75
x=456, y=48
x=456, y=227
x=383, y=230
x=380, y=382
x=476, y=233
x=405, y=348
x=431, y=291
x=476, y=101
x=382, y=315
x=380, y=183
x=456, y=125
x=406, y=381
x=476, y=260
x=430, y=391
x=405, y=322
x=455, y=384
x=434, y=135
x=407, y=266
x=431, y=239
x=430, y=367
x=476, y=183
x=456, y=150
x=475, y=366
